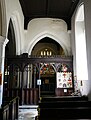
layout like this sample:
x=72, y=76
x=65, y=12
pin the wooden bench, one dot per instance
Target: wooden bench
x=64, y=113
x=4, y=112
x=63, y=109
x=9, y=109
x=65, y=104
x=64, y=98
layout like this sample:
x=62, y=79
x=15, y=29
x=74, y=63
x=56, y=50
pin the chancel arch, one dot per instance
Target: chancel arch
x=55, y=29
x=47, y=47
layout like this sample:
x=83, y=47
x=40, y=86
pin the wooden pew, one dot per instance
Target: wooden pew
x=64, y=98
x=65, y=104
x=64, y=113
x=4, y=112
x=59, y=109
x=13, y=107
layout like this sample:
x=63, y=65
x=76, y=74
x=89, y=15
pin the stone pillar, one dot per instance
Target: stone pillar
x=3, y=42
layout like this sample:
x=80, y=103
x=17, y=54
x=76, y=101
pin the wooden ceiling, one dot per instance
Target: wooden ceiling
x=62, y=9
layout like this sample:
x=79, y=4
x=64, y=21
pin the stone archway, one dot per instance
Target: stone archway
x=48, y=46
x=10, y=49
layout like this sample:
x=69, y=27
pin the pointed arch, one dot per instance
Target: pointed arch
x=11, y=46
x=43, y=35
x=55, y=29
x=47, y=46
x=16, y=23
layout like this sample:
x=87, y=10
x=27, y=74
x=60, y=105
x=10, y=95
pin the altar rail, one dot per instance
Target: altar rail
x=9, y=109
x=27, y=96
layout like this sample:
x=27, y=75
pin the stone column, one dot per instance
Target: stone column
x=3, y=42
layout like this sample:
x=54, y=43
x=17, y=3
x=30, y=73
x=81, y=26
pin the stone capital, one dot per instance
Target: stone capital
x=3, y=40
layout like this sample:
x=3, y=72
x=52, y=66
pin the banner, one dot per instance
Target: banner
x=64, y=80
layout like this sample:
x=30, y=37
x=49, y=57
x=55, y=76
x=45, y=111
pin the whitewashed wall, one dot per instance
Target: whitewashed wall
x=86, y=90
x=37, y=29
x=12, y=9
x=40, y=28
x=88, y=37
x=48, y=27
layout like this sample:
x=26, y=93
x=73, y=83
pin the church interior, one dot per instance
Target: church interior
x=45, y=61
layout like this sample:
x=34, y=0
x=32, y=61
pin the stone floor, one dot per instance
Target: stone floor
x=28, y=112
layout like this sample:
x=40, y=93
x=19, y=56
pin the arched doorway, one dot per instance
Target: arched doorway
x=48, y=79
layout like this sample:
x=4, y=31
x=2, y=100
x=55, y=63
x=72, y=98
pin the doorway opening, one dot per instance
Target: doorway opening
x=48, y=79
